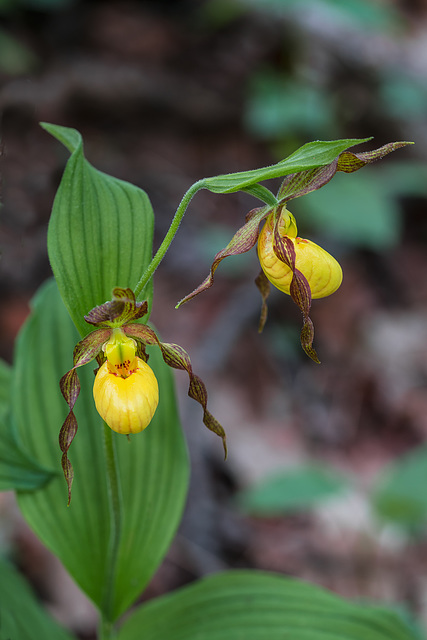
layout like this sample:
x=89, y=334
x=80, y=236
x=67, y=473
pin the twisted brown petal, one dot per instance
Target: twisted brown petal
x=263, y=284
x=84, y=351
x=177, y=358
x=243, y=240
x=299, y=289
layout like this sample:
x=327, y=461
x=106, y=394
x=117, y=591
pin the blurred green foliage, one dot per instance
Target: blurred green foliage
x=288, y=491
x=360, y=212
x=16, y=58
x=363, y=211
x=278, y=104
x=364, y=14
x=291, y=99
x=400, y=496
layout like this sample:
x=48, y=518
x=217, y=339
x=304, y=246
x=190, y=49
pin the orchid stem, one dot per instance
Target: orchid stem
x=107, y=631
x=161, y=251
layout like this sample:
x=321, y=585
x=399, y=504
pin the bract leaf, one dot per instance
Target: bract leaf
x=100, y=232
x=309, y=156
x=254, y=606
x=299, y=184
x=153, y=466
x=21, y=615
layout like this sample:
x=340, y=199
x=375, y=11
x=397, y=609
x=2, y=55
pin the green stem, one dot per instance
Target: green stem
x=161, y=251
x=107, y=631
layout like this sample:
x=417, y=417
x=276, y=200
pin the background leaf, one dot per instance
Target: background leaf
x=249, y=605
x=100, y=232
x=309, y=156
x=153, y=465
x=400, y=495
x=21, y=616
x=291, y=490
x=17, y=469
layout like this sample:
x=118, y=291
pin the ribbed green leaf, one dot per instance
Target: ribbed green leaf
x=153, y=465
x=100, y=232
x=5, y=377
x=21, y=616
x=249, y=605
x=17, y=469
x=309, y=156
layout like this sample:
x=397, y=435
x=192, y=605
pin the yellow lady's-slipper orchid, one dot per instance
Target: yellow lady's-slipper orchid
x=125, y=391
x=296, y=266
x=322, y=271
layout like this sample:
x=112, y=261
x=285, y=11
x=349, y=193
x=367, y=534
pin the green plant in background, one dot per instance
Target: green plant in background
x=129, y=493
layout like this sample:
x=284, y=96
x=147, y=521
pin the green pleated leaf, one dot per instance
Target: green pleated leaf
x=100, y=232
x=5, y=378
x=309, y=156
x=153, y=466
x=249, y=605
x=21, y=615
x=17, y=469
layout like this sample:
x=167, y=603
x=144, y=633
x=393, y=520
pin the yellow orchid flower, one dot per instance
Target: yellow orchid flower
x=322, y=271
x=125, y=390
x=294, y=265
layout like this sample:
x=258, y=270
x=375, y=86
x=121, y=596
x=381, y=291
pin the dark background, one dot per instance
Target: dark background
x=165, y=93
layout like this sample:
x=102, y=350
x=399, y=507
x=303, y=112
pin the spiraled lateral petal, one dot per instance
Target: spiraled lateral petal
x=85, y=351
x=299, y=289
x=242, y=241
x=263, y=285
x=121, y=309
x=177, y=358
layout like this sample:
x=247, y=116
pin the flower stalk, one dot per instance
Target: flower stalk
x=116, y=508
x=161, y=251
